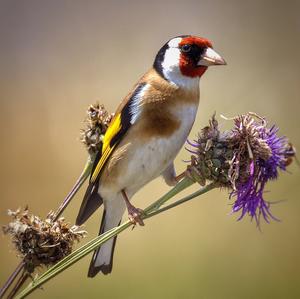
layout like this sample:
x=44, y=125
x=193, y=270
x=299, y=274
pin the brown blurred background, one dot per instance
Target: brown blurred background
x=57, y=57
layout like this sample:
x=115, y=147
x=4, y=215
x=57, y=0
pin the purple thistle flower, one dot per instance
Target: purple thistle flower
x=249, y=199
x=244, y=160
x=249, y=195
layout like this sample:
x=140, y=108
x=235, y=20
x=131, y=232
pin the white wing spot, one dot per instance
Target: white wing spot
x=135, y=107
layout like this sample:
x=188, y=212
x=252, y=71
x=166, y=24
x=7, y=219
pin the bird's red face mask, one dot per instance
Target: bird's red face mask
x=196, y=54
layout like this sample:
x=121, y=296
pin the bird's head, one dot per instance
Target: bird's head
x=186, y=57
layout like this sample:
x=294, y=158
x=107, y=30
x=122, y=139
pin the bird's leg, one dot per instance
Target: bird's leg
x=134, y=214
x=191, y=172
x=180, y=176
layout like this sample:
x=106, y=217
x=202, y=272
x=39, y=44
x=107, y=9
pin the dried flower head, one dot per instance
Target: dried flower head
x=41, y=242
x=244, y=160
x=97, y=122
x=212, y=154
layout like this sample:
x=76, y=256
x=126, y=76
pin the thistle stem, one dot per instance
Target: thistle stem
x=82, y=178
x=19, y=284
x=90, y=246
x=11, y=279
x=183, y=200
x=183, y=184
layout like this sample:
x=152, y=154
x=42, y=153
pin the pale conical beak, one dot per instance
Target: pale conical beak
x=211, y=57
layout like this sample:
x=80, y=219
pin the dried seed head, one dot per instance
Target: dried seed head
x=41, y=242
x=212, y=154
x=97, y=122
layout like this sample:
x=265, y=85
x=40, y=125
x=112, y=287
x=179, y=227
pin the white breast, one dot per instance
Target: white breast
x=152, y=158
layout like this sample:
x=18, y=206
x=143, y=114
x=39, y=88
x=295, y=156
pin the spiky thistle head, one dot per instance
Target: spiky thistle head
x=41, y=242
x=243, y=159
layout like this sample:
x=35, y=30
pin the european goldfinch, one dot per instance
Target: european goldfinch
x=149, y=128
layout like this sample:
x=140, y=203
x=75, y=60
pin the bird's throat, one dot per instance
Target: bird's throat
x=190, y=70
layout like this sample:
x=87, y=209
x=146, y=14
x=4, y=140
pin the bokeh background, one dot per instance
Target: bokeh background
x=57, y=57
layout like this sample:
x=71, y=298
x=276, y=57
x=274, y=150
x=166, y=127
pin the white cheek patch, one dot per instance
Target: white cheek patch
x=172, y=71
x=135, y=107
x=171, y=61
x=172, y=56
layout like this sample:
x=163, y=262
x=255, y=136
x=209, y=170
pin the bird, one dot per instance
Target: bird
x=149, y=128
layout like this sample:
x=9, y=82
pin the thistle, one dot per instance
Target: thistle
x=243, y=160
x=41, y=242
x=97, y=122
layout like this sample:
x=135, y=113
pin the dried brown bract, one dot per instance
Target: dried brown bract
x=97, y=122
x=213, y=155
x=41, y=242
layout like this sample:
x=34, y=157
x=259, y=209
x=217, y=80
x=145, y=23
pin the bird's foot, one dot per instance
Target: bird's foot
x=135, y=215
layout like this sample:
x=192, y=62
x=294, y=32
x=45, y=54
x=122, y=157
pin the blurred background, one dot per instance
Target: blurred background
x=57, y=57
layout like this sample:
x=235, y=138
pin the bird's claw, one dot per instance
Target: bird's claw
x=134, y=215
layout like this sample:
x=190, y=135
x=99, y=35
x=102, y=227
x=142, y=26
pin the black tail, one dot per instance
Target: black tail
x=91, y=202
x=104, y=268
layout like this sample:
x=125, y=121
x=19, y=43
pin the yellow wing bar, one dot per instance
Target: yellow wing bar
x=111, y=132
x=101, y=162
x=107, y=149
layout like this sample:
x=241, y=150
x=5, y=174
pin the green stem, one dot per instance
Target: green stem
x=183, y=200
x=90, y=246
x=183, y=184
x=82, y=178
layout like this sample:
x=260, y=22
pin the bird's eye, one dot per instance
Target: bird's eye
x=186, y=48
